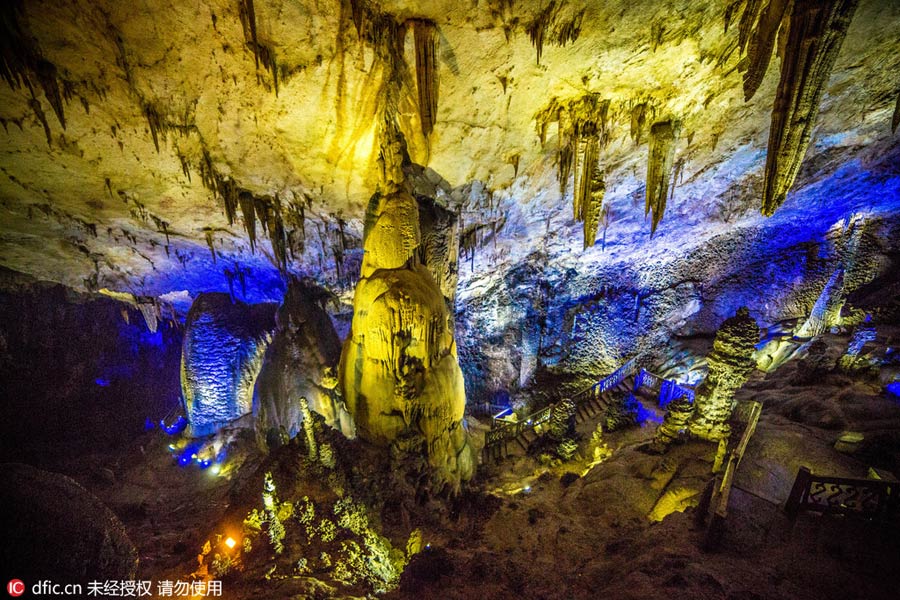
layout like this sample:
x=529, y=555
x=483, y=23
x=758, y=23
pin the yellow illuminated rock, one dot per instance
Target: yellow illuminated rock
x=399, y=367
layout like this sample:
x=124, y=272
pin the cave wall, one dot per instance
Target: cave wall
x=78, y=372
x=544, y=322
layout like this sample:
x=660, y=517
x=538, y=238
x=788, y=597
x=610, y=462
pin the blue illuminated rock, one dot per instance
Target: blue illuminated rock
x=222, y=352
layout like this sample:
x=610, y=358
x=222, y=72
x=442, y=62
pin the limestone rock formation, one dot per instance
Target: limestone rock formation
x=439, y=248
x=730, y=362
x=300, y=363
x=53, y=526
x=826, y=311
x=663, y=136
x=817, y=29
x=675, y=423
x=583, y=129
x=760, y=23
x=222, y=353
x=399, y=367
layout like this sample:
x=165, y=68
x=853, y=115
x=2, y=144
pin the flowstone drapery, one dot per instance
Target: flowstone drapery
x=299, y=364
x=730, y=362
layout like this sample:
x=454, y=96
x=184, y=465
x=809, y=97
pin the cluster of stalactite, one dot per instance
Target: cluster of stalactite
x=663, y=137
x=266, y=210
x=813, y=31
x=583, y=131
x=262, y=53
x=22, y=64
x=757, y=34
x=387, y=37
x=547, y=26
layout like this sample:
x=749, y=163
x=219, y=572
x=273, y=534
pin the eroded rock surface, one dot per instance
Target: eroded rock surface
x=222, y=354
x=399, y=368
x=300, y=362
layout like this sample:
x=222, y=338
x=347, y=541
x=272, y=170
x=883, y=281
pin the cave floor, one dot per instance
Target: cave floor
x=532, y=530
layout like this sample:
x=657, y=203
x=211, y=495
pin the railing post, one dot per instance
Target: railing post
x=798, y=493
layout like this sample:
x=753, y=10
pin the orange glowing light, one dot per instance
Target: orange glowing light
x=230, y=542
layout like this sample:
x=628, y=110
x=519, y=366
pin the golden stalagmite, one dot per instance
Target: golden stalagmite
x=399, y=367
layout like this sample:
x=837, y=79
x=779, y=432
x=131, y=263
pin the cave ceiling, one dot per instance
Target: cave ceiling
x=158, y=147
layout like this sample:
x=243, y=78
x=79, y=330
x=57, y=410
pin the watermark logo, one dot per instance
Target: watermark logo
x=15, y=588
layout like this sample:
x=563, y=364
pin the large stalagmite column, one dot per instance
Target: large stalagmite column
x=399, y=367
x=730, y=362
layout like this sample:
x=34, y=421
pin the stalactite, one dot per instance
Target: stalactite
x=185, y=166
x=749, y=18
x=581, y=200
x=35, y=105
x=262, y=53
x=275, y=228
x=765, y=19
x=248, y=17
x=569, y=31
x=392, y=155
x=425, y=36
x=357, y=12
x=154, y=121
x=896, y=119
x=47, y=76
x=538, y=27
x=593, y=206
x=817, y=29
x=638, y=120
x=162, y=226
x=248, y=212
x=22, y=61
x=663, y=137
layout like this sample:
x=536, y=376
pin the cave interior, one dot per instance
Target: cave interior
x=485, y=299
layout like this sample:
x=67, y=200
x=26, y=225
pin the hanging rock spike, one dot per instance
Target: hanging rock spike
x=896, y=120
x=537, y=28
x=817, y=29
x=760, y=43
x=663, y=136
x=425, y=36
